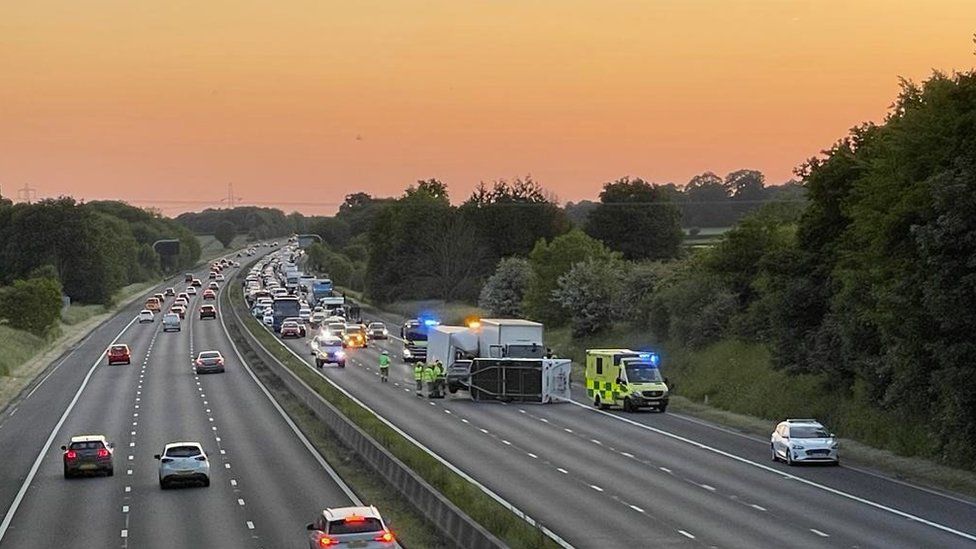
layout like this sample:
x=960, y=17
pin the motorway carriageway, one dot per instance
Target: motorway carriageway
x=609, y=479
x=266, y=484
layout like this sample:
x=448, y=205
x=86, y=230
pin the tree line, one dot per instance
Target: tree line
x=87, y=251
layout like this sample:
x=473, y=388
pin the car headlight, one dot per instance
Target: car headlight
x=340, y=354
x=797, y=446
x=835, y=446
x=407, y=353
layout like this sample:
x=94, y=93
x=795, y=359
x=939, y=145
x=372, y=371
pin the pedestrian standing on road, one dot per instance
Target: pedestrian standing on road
x=418, y=376
x=440, y=378
x=429, y=379
x=385, y=366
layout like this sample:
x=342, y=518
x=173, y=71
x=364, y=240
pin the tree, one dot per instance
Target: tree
x=636, y=219
x=747, y=189
x=33, y=305
x=225, y=233
x=512, y=217
x=549, y=261
x=706, y=202
x=504, y=290
x=589, y=291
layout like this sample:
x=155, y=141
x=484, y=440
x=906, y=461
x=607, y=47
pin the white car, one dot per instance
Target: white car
x=803, y=440
x=191, y=290
x=268, y=318
x=183, y=462
x=220, y=277
x=146, y=315
x=350, y=527
x=304, y=313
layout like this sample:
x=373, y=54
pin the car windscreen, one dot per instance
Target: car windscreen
x=171, y=318
x=377, y=326
x=642, y=373
x=367, y=524
x=183, y=451
x=210, y=354
x=91, y=445
x=803, y=431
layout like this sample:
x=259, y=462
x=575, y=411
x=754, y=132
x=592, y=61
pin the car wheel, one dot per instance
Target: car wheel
x=628, y=406
x=789, y=457
x=318, y=363
x=67, y=474
x=663, y=408
x=772, y=452
x=342, y=364
x=110, y=472
x=163, y=485
x=206, y=482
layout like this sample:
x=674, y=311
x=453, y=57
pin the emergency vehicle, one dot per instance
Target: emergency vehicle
x=625, y=378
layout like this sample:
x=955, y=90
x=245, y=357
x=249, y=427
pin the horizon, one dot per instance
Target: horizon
x=324, y=100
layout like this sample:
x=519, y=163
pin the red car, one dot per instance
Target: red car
x=208, y=311
x=119, y=354
x=290, y=329
x=209, y=294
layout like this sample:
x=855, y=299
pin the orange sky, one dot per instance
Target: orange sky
x=306, y=101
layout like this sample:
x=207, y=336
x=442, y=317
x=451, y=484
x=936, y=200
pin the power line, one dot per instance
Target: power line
x=231, y=200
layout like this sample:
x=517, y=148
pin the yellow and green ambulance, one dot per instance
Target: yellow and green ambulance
x=625, y=378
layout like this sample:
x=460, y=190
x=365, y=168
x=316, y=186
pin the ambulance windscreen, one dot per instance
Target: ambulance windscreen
x=643, y=373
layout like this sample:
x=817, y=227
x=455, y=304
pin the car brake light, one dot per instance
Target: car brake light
x=102, y=453
x=220, y=361
x=355, y=518
x=71, y=454
x=326, y=541
x=386, y=536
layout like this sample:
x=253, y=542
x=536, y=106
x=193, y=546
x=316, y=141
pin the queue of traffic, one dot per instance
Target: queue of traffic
x=186, y=463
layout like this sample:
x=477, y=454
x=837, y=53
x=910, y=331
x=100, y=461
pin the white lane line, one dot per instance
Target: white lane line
x=533, y=456
x=125, y=508
x=485, y=431
x=567, y=429
x=250, y=525
x=627, y=455
x=128, y=489
x=767, y=468
x=128, y=472
x=819, y=533
x=595, y=487
x=595, y=441
x=636, y=508
x=707, y=487
x=686, y=534
x=563, y=471
x=665, y=469
x=240, y=502
x=9, y=516
x=506, y=443
x=301, y=436
x=14, y=411
x=125, y=533
x=464, y=420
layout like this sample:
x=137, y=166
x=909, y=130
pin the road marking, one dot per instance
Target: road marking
x=14, y=411
x=250, y=525
x=707, y=487
x=233, y=482
x=125, y=533
x=665, y=469
x=819, y=533
x=9, y=516
x=464, y=420
x=767, y=468
x=563, y=471
x=627, y=455
x=128, y=489
x=595, y=441
x=240, y=502
x=125, y=508
x=506, y=443
x=686, y=534
x=595, y=487
x=757, y=507
x=128, y=472
x=636, y=508
x=533, y=456
x=567, y=429
x=485, y=431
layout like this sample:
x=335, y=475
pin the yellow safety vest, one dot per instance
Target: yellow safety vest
x=418, y=372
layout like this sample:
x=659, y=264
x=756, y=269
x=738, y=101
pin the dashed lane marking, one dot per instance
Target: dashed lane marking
x=819, y=533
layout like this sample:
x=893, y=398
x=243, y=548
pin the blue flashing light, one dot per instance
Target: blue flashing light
x=653, y=358
x=430, y=322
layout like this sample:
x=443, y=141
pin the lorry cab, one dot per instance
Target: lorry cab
x=625, y=378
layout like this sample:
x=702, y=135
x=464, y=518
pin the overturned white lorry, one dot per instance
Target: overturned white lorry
x=499, y=359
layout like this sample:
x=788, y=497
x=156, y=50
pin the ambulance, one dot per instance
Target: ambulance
x=628, y=379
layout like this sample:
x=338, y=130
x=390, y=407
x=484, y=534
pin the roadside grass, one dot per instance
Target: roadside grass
x=447, y=312
x=210, y=247
x=78, y=312
x=512, y=530
x=18, y=347
x=732, y=383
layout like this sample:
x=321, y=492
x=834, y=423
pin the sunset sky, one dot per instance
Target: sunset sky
x=303, y=102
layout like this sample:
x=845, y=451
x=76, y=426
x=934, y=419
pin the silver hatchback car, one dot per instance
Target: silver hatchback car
x=803, y=440
x=183, y=462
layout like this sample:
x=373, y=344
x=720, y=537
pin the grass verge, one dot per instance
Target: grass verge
x=446, y=311
x=732, y=383
x=512, y=530
x=18, y=347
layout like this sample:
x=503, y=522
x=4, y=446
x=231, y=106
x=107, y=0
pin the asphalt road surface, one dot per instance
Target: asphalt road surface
x=610, y=479
x=265, y=484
